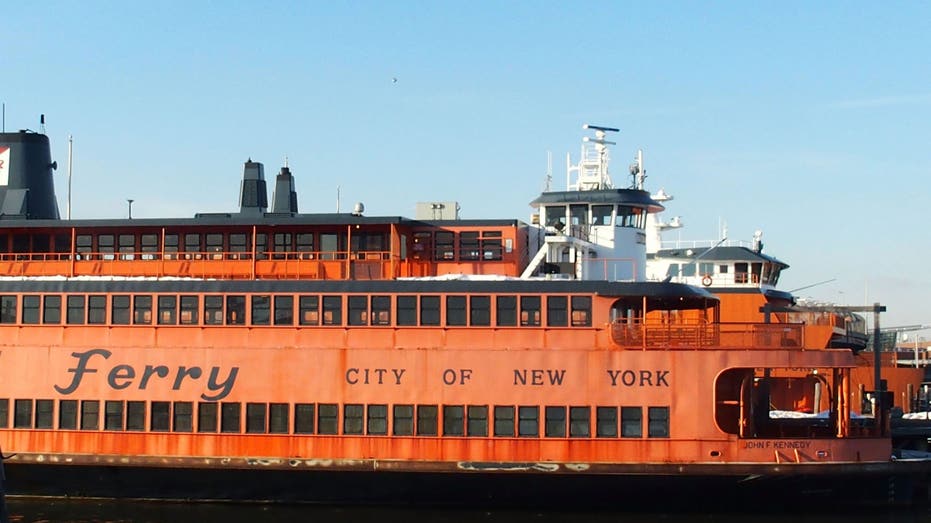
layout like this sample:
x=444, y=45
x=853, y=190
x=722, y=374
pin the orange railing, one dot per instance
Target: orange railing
x=717, y=335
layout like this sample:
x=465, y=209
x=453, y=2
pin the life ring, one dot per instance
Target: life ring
x=706, y=280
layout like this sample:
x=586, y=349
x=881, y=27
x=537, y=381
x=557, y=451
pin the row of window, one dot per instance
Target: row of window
x=265, y=309
x=462, y=246
x=332, y=419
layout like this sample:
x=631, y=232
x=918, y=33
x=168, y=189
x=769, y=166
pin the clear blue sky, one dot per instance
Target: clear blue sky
x=808, y=120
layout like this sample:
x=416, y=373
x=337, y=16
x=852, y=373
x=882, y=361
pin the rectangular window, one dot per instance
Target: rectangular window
x=429, y=310
x=491, y=245
x=506, y=310
x=278, y=418
x=407, y=310
x=213, y=310
x=580, y=422
x=480, y=310
x=189, y=307
x=581, y=311
x=477, y=424
x=161, y=416
x=236, y=310
x=555, y=422
x=44, y=414
x=706, y=268
x=281, y=244
x=377, y=423
x=530, y=310
x=171, y=246
x=631, y=422
x=238, y=245
x=304, y=418
x=206, y=417
x=120, y=310
x=332, y=310
x=167, y=310
x=4, y=413
x=256, y=416
x=403, y=423
x=455, y=310
x=149, y=243
x=358, y=310
x=468, y=245
x=556, y=311
x=113, y=415
x=305, y=245
x=214, y=244
x=426, y=420
x=261, y=310
x=105, y=244
x=381, y=310
x=182, y=417
x=659, y=422
x=328, y=418
x=135, y=415
x=97, y=309
x=192, y=245
x=51, y=310
x=445, y=248
x=284, y=310
x=229, y=417
x=31, y=309
x=528, y=423
x=83, y=245
x=126, y=246
x=142, y=310
x=7, y=309
x=75, y=314
x=353, y=415
x=90, y=415
x=309, y=310
x=606, y=422
x=68, y=414
x=453, y=420
x=504, y=421
x=22, y=414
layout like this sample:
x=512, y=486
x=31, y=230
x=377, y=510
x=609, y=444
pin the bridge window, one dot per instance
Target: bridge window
x=601, y=214
x=7, y=309
x=580, y=422
x=706, y=268
x=556, y=315
x=426, y=420
x=631, y=422
x=506, y=311
x=206, y=417
x=284, y=310
x=555, y=422
x=504, y=420
x=688, y=269
x=304, y=418
x=455, y=310
x=606, y=422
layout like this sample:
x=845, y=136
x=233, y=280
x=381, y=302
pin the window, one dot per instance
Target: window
x=429, y=310
x=213, y=310
x=189, y=307
x=206, y=417
x=284, y=310
x=281, y=245
x=4, y=412
x=135, y=415
x=705, y=268
x=530, y=310
x=44, y=414
x=127, y=246
x=504, y=421
x=445, y=249
x=455, y=310
x=453, y=420
x=631, y=422
x=97, y=310
x=528, y=423
x=477, y=420
x=332, y=310
x=31, y=309
x=90, y=415
x=352, y=418
x=480, y=310
x=688, y=269
x=580, y=422
x=309, y=310
x=142, y=310
x=581, y=311
x=506, y=311
x=75, y=314
x=377, y=420
x=601, y=214
x=120, y=310
x=468, y=245
x=192, y=245
x=171, y=246
x=51, y=310
x=278, y=418
x=214, y=244
x=381, y=310
x=304, y=418
x=555, y=422
x=83, y=245
x=256, y=415
x=358, y=310
x=236, y=310
x=167, y=310
x=606, y=422
x=403, y=424
x=658, y=422
x=426, y=420
x=149, y=245
x=556, y=311
x=328, y=418
x=305, y=245
x=105, y=246
x=183, y=416
x=261, y=310
x=68, y=414
x=161, y=416
x=238, y=245
x=113, y=415
x=229, y=417
x=22, y=414
x=491, y=245
x=7, y=309
x=407, y=310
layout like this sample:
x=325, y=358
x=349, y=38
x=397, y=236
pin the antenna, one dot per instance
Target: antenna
x=42, y=123
x=337, y=199
x=4, y=118
x=70, y=149
x=548, y=181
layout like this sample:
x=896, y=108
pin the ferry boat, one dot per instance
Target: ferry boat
x=269, y=354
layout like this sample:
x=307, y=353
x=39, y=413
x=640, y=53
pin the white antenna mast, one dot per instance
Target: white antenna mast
x=70, y=155
x=549, y=172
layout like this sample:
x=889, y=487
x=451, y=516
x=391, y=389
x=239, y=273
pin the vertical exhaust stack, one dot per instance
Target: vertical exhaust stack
x=27, y=188
x=284, y=199
x=253, y=196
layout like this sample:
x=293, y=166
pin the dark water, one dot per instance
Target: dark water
x=58, y=511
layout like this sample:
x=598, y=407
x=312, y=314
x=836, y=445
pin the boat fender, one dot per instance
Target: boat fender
x=706, y=280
